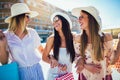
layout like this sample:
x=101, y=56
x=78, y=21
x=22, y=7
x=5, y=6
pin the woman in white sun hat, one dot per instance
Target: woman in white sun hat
x=93, y=47
x=23, y=42
x=62, y=44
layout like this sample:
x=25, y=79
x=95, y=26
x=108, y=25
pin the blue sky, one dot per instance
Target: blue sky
x=109, y=9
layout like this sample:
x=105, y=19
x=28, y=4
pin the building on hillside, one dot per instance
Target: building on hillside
x=40, y=22
x=113, y=31
x=5, y=11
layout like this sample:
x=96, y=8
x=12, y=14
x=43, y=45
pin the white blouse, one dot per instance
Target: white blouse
x=23, y=50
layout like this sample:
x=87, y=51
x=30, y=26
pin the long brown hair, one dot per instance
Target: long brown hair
x=68, y=39
x=96, y=39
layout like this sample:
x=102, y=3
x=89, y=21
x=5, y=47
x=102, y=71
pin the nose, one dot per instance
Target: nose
x=79, y=20
x=28, y=19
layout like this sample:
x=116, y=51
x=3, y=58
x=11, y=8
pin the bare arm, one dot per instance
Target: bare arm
x=93, y=68
x=3, y=51
x=78, y=59
x=116, y=55
x=48, y=47
x=45, y=57
x=113, y=55
x=3, y=56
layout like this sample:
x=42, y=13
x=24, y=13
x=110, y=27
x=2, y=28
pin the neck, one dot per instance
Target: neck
x=62, y=35
x=20, y=33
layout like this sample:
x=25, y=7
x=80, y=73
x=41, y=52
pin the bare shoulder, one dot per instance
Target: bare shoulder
x=50, y=38
x=108, y=37
x=49, y=43
x=77, y=38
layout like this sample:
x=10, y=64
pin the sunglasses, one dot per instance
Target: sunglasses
x=81, y=17
x=26, y=15
x=56, y=19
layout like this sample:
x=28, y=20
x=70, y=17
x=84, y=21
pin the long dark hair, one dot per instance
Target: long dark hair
x=96, y=39
x=68, y=39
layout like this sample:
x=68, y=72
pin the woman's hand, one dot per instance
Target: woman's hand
x=79, y=68
x=79, y=65
x=53, y=62
x=93, y=68
x=62, y=67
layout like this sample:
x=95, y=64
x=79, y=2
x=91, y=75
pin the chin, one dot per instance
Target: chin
x=81, y=28
x=56, y=29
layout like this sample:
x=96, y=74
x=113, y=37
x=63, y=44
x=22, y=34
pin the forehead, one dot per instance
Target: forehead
x=83, y=14
x=27, y=14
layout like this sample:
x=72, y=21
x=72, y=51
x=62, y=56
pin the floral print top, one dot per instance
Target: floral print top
x=108, y=50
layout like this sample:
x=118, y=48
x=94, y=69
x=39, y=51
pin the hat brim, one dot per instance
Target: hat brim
x=76, y=11
x=64, y=15
x=91, y=10
x=31, y=14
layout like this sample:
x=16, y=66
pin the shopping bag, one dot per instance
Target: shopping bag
x=81, y=77
x=9, y=72
x=108, y=77
x=67, y=76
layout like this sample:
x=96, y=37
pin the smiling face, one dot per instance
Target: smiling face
x=83, y=20
x=57, y=23
x=27, y=19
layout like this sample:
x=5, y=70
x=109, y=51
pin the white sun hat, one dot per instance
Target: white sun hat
x=63, y=15
x=91, y=10
x=20, y=8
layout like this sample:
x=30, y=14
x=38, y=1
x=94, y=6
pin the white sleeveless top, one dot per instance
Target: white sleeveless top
x=64, y=58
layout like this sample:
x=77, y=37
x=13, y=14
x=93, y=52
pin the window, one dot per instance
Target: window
x=0, y=5
x=4, y=5
x=4, y=15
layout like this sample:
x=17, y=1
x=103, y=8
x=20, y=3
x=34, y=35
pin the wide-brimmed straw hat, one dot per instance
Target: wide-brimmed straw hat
x=91, y=10
x=18, y=9
x=63, y=15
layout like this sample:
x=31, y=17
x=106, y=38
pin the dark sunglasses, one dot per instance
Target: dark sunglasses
x=26, y=15
x=81, y=17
